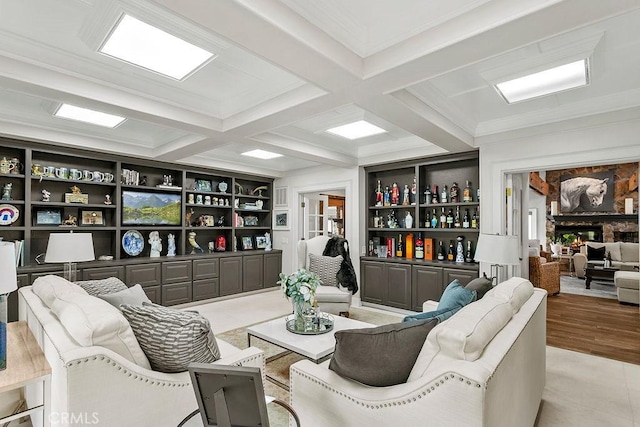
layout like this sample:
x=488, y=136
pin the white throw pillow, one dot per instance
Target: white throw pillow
x=516, y=290
x=134, y=295
x=326, y=268
x=93, y=322
x=51, y=287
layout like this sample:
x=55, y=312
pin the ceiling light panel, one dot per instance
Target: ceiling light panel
x=149, y=47
x=553, y=80
x=355, y=130
x=261, y=154
x=86, y=115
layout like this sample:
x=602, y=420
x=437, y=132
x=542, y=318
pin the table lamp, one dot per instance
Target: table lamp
x=70, y=248
x=499, y=251
x=8, y=284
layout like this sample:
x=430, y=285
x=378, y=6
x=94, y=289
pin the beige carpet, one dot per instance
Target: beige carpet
x=279, y=367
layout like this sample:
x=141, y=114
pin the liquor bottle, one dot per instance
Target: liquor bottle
x=409, y=246
x=468, y=256
x=444, y=195
x=453, y=193
x=391, y=247
x=467, y=193
x=465, y=219
x=434, y=194
x=474, y=219
x=451, y=254
x=427, y=219
x=459, y=249
x=427, y=195
x=376, y=221
x=441, y=254
x=450, y=219
x=434, y=219
x=400, y=247
x=443, y=219
x=456, y=221
x=419, y=247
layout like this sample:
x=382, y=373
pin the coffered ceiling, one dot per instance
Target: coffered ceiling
x=288, y=70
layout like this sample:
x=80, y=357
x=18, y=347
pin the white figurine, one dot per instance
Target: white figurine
x=268, y=238
x=107, y=199
x=171, y=243
x=194, y=245
x=156, y=244
x=46, y=195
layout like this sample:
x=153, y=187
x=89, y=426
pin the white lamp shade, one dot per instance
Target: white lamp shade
x=9, y=278
x=497, y=249
x=70, y=247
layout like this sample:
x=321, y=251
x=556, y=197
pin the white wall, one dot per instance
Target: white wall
x=322, y=179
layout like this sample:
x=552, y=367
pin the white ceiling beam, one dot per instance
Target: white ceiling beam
x=187, y=146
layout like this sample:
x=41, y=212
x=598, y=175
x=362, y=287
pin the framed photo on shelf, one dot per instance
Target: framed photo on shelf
x=202, y=185
x=261, y=241
x=91, y=217
x=247, y=243
x=281, y=219
x=48, y=217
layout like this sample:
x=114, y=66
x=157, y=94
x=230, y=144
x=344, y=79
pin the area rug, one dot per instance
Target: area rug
x=278, y=368
x=575, y=285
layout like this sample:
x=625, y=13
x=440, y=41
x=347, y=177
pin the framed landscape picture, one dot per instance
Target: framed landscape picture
x=48, y=217
x=281, y=219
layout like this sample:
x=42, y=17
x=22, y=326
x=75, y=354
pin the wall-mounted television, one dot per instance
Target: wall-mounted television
x=147, y=208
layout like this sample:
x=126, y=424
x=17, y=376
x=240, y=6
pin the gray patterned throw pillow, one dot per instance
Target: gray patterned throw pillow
x=171, y=338
x=109, y=285
x=326, y=268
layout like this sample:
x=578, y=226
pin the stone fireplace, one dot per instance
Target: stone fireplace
x=584, y=233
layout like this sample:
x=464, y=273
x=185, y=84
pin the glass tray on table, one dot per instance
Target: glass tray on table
x=320, y=324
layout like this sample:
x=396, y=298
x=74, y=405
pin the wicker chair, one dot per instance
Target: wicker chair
x=544, y=275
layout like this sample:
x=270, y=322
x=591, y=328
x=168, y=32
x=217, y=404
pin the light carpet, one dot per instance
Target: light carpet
x=575, y=285
x=279, y=367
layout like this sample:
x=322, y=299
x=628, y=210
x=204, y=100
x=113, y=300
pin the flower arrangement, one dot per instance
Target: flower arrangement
x=300, y=286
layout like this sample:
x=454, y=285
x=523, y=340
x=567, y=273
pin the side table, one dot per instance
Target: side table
x=26, y=365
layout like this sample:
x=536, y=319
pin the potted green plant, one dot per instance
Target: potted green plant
x=300, y=287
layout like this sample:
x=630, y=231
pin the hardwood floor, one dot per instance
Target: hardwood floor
x=598, y=326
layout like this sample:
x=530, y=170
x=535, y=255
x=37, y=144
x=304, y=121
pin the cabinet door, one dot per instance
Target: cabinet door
x=34, y=276
x=103, y=273
x=230, y=275
x=426, y=284
x=374, y=282
x=206, y=268
x=252, y=272
x=12, y=301
x=153, y=293
x=176, y=293
x=399, y=285
x=206, y=288
x=272, y=268
x=463, y=276
x=176, y=272
x=144, y=274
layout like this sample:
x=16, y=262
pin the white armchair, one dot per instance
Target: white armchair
x=331, y=299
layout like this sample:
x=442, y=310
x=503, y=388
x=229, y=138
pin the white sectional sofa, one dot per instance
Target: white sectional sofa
x=96, y=383
x=484, y=366
x=624, y=255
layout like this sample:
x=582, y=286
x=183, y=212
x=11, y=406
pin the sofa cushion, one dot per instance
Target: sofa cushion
x=595, y=254
x=629, y=252
x=515, y=290
x=610, y=247
x=171, y=338
x=103, y=286
x=93, y=322
x=326, y=267
x=50, y=287
x=395, y=346
x=481, y=285
x=327, y=294
x=465, y=335
x=456, y=295
x=134, y=295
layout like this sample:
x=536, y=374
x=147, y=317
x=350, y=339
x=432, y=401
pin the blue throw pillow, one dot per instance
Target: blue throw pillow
x=441, y=315
x=456, y=295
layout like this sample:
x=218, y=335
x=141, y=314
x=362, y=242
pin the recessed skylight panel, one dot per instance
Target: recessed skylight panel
x=149, y=47
x=553, y=80
x=355, y=130
x=86, y=115
x=261, y=154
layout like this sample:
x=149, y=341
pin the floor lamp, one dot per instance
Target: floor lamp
x=70, y=248
x=499, y=251
x=8, y=284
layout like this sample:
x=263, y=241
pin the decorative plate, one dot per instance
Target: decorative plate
x=132, y=242
x=8, y=214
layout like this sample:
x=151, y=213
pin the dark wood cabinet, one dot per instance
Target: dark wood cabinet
x=12, y=301
x=463, y=276
x=206, y=268
x=230, y=275
x=206, y=288
x=374, y=282
x=252, y=273
x=398, y=285
x=144, y=274
x=103, y=272
x=272, y=268
x=153, y=293
x=426, y=284
x=176, y=293
x=176, y=272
